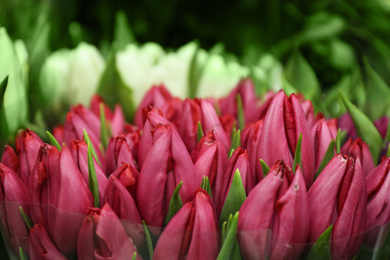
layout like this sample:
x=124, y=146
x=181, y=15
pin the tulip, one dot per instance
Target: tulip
x=229, y=124
x=118, y=152
x=166, y=165
x=27, y=146
x=79, y=151
x=102, y=236
x=250, y=139
x=41, y=247
x=346, y=124
x=133, y=136
x=308, y=109
x=358, y=148
x=13, y=194
x=192, y=233
x=382, y=124
x=210, y=159
x=128, y=176
x=274, y=220
x=10, y=159
x=284, y=122
x=58, y=133
x=172, y=110
x=189, y=123
x=338, y=197
x=378, y=192
x=59, y=196
x=322, y=138
x=123, y=204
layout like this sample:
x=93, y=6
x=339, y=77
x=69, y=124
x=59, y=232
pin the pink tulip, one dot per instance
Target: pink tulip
x=382, y=124
x=128, y=176
x=10, y=159
x=166, y=165
x=189, y=123
x=274, y=220
x=118, y=152
x=358, y=148
x=58, y=133
x=322, y=138
x=338, y=197
x=284, y=122
x=59, y=196
x=133, y=136
x=192, y=233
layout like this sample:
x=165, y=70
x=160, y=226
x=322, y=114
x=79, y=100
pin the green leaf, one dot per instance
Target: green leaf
x=92, y=179
x=230, y=239
x=3, y=120
x=264, y=167
x=236, y=142
x=26, y=219
x=329, y=154
x=175, y=204
x=134, y=256
x=234, y=199
x=388, y=151
x=22, y=254
x=123, y=34
x=240, y=111
x=76, y=33
x=103, y=127
x=88, y=141
x=3, y=87
x=53, y=141
x=148, y=240
x=338, y=141
x=377, y=93
x=365, y=128
x=298, y=154
x=200, y=131
x=301, y=75
x=195, y=73
x=321, y=248
x=206, y=185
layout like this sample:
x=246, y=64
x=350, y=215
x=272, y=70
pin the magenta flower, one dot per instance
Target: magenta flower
x=322, y=138
x=10, y=159
x=358, y=148
x=118, y=152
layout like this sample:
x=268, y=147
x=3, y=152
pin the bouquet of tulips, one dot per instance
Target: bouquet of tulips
x=232, y=178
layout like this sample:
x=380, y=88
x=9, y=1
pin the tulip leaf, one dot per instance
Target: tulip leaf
x=88, y=141
x=236, y=141
x=175, y=204
x=200, y=131
x=365, y=128
x=240, y=112
x=3, y=119
x=22, y=254
x=321, y=248
x=53, y=141
x=230, y=239
x=338, y=141
x=329, y=154
x=148, y=239
x=236, y=196
x=223, y=231
x=206, y=185
x=388, y=150
x=103, y=127
x=92, y=179
x=298, y=154
x=134, y=256
x=26, y=219
x=3, y=87
x=123, y=34
x=264, y=167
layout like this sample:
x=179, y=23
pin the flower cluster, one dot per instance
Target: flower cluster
x=170, y=186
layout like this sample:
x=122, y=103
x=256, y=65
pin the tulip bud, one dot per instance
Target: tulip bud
x=346, y=124
x=192, y=233
x=102, y=236
x=308, y=109
x=128, y=176
x=27, y=146
x=58, y=133
x=133, y=136
x=322, y=138
x=338, y=197
x=166, y=165
x=13, y=194
x=118, y=152
x=10, y=159
x=284, y=122
x=210, y=160
x=189, y=123
x=382, y=124
x=360, y=149
x=59, y=196
x=273, y=220
x=41, y=247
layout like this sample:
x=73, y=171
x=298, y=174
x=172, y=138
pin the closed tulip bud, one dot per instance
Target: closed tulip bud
x=13, y=194
x=338, y=197
x=172, y=110
x=123, y=204
x=166, y=165
x=59, y=196
x=378, y=192
x=250, y=103
x=382, y=124
x=192, y=233
x=58, y=133
x=156, y=96
x=210, y=159
x=79, y=151
x=358, y=148
x=229, y=123
x=346, y=124
x=133, y=136
x=118, y=152
x=27, y=146
x=188, y=128
x=322, y=138
x=41, y=246
x=102, y=236
x=273, y=221
x=284, y=122
x=10, y=159
x=250, y=141
x=128, y=176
